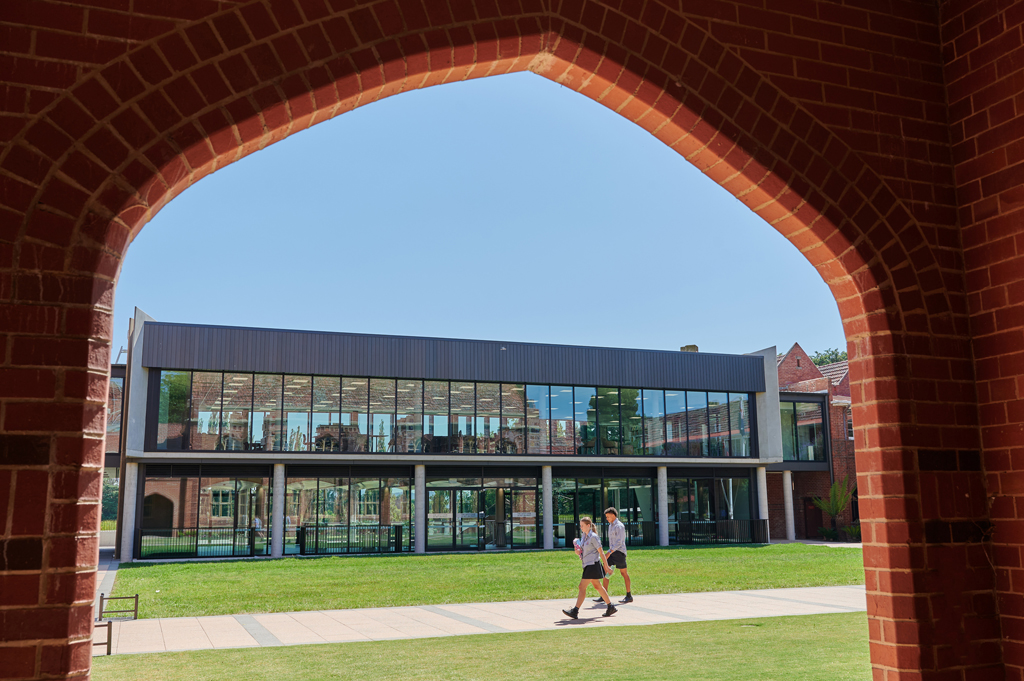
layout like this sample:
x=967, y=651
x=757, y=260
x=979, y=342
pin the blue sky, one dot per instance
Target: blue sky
x=505, y=208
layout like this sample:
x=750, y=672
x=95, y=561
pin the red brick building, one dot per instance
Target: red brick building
x=826, y=392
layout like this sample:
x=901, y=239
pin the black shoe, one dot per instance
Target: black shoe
x=610, y=611
x=627, y=599
x=599, y=600
x=572, y=613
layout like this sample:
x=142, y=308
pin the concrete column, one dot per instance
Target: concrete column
x=787, y=498
x=548, y=507
x=420, y=517
x=277, y=521
x=129, y=503
x=663, y=506
x=762, y=494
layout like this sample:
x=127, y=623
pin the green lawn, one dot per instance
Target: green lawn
x=292, y=584
x=808, y=648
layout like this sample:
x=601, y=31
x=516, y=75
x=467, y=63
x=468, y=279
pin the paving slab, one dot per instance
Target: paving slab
x=468, y=619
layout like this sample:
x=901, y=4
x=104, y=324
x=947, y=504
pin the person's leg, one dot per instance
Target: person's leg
x=582, y=593
x=600, y=590
x=625, y=576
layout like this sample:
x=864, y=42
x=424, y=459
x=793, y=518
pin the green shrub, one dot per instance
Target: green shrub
x=829, y=534
x=852, y=532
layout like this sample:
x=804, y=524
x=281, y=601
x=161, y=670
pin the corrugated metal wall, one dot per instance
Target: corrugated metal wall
x=216, y=348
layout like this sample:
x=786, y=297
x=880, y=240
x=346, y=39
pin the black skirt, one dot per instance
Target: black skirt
x=595, y=571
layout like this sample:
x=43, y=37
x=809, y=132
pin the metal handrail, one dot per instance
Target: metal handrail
x=106, y=599
x=110, y=636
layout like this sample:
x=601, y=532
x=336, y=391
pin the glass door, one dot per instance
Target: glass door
x=468, y=519
x=521, y=509
x=495, y=514
x=245, y=500
x=440, y=536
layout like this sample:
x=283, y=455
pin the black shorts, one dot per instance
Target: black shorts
x=595, y=571
x=617, y=559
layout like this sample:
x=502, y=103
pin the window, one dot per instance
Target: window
x=172, y=411
x=849, y=423
x=297, y=403
x=409, y=417
x=115, y=395
x=204, y=423
x=220, y=503
x=237, y=412
x=803, y=431
x=538, y=427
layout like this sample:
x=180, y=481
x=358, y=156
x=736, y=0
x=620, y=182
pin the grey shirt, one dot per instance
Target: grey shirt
x=617, y=537
x=590, y=543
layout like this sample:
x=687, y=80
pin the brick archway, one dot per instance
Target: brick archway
x=120, y=118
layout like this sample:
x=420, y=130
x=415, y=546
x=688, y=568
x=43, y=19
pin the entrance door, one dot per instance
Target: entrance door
x=468, y=519
x=245, y=507
x=496, y=502
x=454, y=519
x=521, y=509
x=812, y=520
x=440, y=528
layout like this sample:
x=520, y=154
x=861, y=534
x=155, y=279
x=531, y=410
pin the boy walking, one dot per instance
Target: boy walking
x=617, y=550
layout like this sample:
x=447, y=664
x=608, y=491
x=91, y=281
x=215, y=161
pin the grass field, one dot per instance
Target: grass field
x=108, y=524
x=808, y=648
x=294, y=584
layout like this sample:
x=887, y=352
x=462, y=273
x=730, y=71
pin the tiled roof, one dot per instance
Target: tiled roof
x=835, y=372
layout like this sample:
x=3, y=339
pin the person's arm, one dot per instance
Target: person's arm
x=604, y=558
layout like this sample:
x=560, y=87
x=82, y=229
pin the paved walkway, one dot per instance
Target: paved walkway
x=425, y=621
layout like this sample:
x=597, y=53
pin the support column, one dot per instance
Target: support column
x=277, y=521
x=420, y=518
x=662, y=506
x=129, y=504
x=787, y=499
x=762, y=496
x=548, y=507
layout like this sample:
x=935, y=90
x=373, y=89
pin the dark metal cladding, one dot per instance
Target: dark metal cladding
x=222, y=348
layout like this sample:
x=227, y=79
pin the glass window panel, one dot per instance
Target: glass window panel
x=732, y=498
x=718, y=417
x=654, y=422
x=267, y=426
x=676, y=418
x=217, y=502
x=608, y=423
x=488, y=418
x=169, y=503
x=462, y=402
x=538, y=422
x=204, y=422
x=787, y=417
x=332, y=501
x=739, y=424
x=382, y=419
x=513, y=419
x=397, y=505
x=326, y=432
x=365, y=501
x=435, y=416
x=617, y=495
x=115, y=399
x=172, y=416
x=631, y=410
x=355, y=395
x=297, y=401
x=810, y=432
x=585, y=420
x=453, y=482
x=409, y=419
x=642, y=498
x=234, y=435
x=562, y=421
x=300, y=508
x=680, y=496
x=697, y=422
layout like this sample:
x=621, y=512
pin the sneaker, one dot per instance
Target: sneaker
x=627, y=599
x=599, y=600
x=610, y=611
x=572, y=613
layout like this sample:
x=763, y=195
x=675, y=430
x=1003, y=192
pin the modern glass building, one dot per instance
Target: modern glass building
x=243, y=442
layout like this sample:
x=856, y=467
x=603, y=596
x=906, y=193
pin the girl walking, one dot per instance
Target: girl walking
x=593, y=562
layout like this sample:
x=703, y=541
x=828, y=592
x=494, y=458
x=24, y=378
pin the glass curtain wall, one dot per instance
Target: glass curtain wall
x=211, y=411
x=635, y=498
x=803, y=431
x=710, y=510
x=115, y=400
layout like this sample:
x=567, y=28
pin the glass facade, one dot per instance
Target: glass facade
x=803, y=431
x=711, y=510
x=635, y=498
x=213, y=411
x=475, y=513
x=115, y=399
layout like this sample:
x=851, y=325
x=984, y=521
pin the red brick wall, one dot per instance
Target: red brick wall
x=797, y=368
x=828, y=119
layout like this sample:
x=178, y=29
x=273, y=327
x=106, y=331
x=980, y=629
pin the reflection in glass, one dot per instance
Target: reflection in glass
x=355, y=396
x=562, y=421
x=739, y=424
x=435, y=416
x=488, y=417
x=538, y=426
x=643, y=498
x=297, y=399
x=787, y=417
x=237, y=412
x=266, y=413
x=810, y=431
x=396, y=507
x=115, y=398
x=462, y=402
x=204, y=422
x=326, y=414
x=365, y=501
x=300, y=509
x=733, y=498
x=631, y=409
x=169, y=503
x=608, y=422
x=172, y=411
x=654, y=422
x=697, y=422
x=585, y=420
x=513, y=419
x=409, y=416
x=718, y=423
x=382, y=419
x=332, y=501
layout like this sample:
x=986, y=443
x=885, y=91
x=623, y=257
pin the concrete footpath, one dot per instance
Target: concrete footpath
x=426, y=621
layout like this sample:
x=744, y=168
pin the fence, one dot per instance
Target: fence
x=719, y=532
x=202, y=542
x=332, y=539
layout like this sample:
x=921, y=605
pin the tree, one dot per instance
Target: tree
x=109, y=503
x=839, y=497
x=829, y=356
